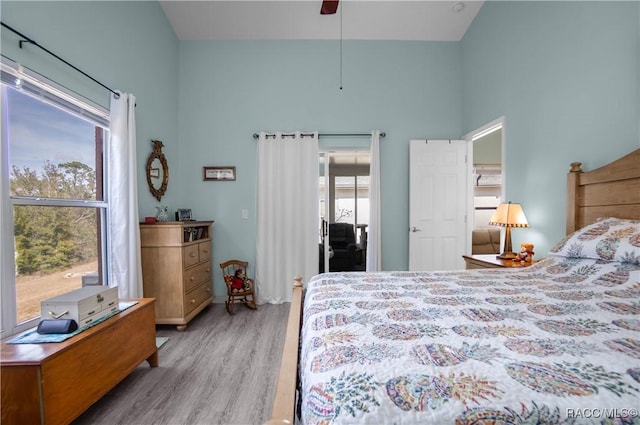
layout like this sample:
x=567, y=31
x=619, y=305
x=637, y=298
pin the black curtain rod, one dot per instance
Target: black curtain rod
x=35, y=43
x=382, y=134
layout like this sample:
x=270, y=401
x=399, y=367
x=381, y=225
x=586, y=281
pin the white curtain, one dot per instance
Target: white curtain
x=287, y=240
x=124, y=234
x=374, y=245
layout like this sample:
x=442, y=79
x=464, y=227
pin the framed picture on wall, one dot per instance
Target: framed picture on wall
x=219, y=173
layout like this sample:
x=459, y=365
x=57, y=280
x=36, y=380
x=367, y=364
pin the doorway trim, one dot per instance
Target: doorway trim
x=472, y=136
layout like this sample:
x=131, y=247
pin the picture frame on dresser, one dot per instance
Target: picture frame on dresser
x=183, y=214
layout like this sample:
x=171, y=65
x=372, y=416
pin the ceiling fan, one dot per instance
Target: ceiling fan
x=329, y=7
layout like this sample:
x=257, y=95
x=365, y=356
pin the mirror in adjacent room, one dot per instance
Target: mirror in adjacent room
x=157, y=171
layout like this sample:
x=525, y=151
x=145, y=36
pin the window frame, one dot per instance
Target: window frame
x=45, y=90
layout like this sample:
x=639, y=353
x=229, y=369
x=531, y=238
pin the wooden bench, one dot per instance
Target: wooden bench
x=54, y=383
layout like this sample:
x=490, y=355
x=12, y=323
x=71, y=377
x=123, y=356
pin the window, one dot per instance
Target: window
x=53, y=202
x=352, y=201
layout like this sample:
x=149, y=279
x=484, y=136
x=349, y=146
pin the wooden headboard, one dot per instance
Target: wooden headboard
x=612, y=190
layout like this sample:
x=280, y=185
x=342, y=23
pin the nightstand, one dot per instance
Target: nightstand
x=489, y=261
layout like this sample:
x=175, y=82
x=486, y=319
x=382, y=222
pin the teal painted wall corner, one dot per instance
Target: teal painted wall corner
x=567, y=92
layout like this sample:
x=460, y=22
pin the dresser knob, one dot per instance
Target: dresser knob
x=191, y=278
x=193, y=254
x=193, y=301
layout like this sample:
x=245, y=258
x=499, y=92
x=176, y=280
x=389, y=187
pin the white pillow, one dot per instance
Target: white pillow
x=609, y=239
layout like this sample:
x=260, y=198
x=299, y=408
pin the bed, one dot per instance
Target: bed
x=557, y=342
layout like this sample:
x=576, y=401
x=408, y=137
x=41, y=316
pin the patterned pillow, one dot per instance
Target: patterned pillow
x=609, y=239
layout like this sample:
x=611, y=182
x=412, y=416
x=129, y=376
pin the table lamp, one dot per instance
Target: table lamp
x=508, y=215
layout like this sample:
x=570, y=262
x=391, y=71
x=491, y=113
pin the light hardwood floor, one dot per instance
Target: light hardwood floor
x=222, y=370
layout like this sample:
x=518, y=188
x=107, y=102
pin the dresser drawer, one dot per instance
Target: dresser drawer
x=196, y=275
x=190, y=255
x=204, y=251
x=196, y=297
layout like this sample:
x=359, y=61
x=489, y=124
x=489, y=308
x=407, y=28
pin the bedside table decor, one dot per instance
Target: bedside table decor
x=508, y=215
x=526, y=253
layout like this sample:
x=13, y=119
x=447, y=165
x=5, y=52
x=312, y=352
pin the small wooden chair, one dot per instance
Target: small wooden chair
x=240, y=288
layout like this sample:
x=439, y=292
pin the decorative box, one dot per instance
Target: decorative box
x=84, y=305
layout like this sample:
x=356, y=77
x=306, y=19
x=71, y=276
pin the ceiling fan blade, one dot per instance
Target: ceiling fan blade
x=329, y=7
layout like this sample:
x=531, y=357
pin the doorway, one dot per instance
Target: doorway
x=344, y=210
x=488, y=184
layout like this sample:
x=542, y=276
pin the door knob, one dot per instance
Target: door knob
x=414, y=229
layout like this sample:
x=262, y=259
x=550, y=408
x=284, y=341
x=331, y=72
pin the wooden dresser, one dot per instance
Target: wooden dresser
x=176, y=269
x=53, y=383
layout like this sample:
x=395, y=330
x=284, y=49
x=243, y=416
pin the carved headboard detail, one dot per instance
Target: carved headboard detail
x=612, y=190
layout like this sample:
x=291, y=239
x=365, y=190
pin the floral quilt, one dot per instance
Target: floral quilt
x=554, y=343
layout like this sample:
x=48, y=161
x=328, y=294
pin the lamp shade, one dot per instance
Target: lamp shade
x=509, y=215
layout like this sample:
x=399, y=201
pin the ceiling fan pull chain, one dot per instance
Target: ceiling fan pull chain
x=340, y=6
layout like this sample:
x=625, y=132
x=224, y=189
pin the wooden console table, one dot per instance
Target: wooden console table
x=54, y=383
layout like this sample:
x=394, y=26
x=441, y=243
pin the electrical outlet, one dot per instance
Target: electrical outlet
x=245, y=213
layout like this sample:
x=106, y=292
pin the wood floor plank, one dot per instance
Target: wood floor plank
x=222, y=370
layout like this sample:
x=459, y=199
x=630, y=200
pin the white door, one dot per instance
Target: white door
x=438, y=204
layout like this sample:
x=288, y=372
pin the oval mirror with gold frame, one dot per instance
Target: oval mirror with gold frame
x=157, y=171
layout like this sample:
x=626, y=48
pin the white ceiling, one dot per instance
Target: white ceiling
x=301, y=19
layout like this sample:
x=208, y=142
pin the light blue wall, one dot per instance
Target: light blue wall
x=564, y=74
x=232, y=89
x=566, y=77
x=128, y=46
